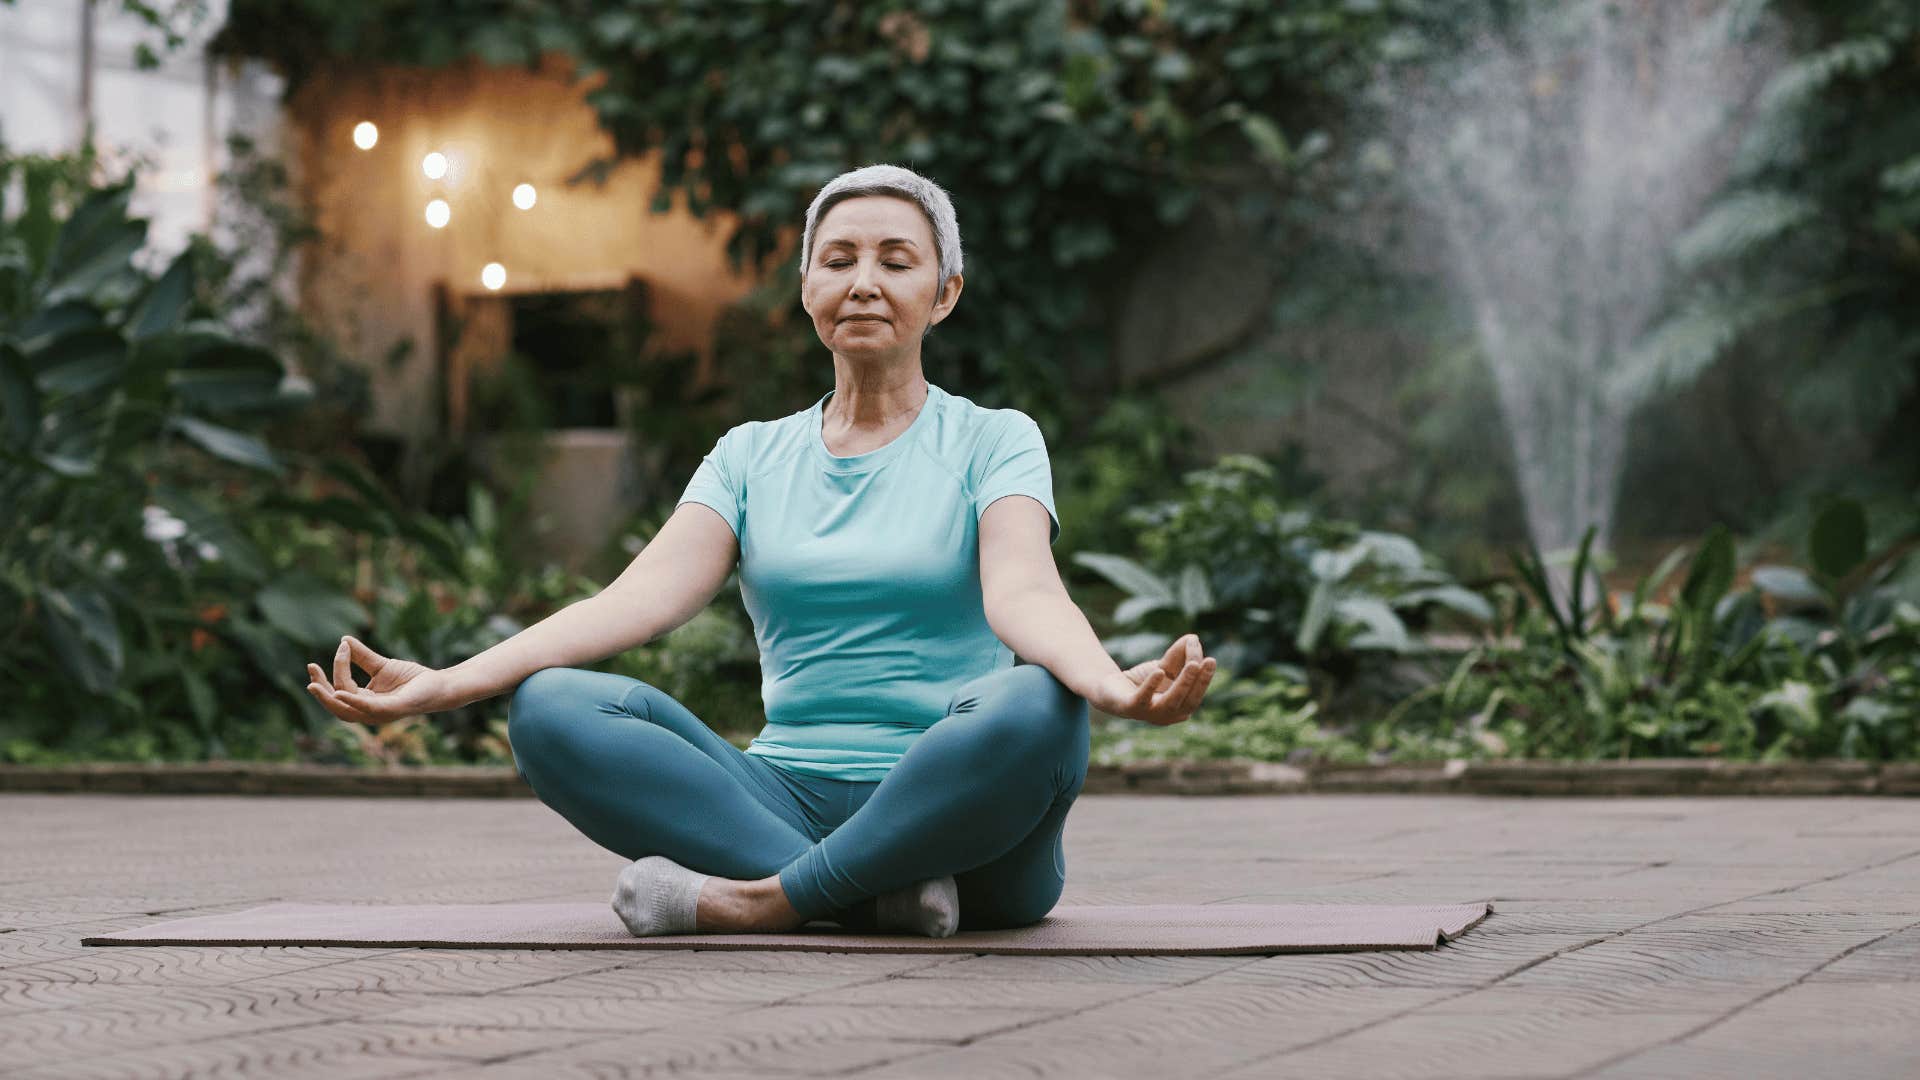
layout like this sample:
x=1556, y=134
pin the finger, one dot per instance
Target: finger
x=1176, y=691
x=1193, y=649
x=370, y=662
x=331, y=700
x=1198, y=691
x=343, y=668
x=1143, y=694
x=1175, y=656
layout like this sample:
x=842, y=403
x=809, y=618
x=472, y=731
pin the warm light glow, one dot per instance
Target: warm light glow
x=365, y=134
x=524, y=196
x=434, y=165
x=438, y=212
x=493, y=276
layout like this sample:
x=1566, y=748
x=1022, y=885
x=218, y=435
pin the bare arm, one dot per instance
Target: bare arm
x=1029, y=609
x=670, y=581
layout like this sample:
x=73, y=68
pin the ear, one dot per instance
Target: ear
x=949, y=296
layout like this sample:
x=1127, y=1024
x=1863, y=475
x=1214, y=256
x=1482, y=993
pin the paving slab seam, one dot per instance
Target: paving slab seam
x=997, y=1032
x=1745, y=1005
x=1830, y=877
x=1536, y=962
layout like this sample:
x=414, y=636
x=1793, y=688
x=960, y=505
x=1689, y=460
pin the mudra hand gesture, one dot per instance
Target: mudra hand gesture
x=395, y=689
x=1163, y=691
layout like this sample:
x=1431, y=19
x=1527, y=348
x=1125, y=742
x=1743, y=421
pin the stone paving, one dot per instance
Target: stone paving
x=1631, y=938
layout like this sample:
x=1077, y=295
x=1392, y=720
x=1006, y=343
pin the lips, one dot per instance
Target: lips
x=863, y=318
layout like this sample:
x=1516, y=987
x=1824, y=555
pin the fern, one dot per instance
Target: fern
x=1741, y=224
x=1798, y=81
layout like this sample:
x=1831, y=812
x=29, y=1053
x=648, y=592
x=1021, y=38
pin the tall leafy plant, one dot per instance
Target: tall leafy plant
x=130, y=442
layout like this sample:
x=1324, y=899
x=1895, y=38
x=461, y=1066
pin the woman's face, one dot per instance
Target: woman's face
x=872, y=283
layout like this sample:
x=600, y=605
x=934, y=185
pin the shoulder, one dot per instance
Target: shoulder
x=753, y=444
x=982, y=428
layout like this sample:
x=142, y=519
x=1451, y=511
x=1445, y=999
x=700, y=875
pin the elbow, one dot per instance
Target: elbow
x=1007, y=609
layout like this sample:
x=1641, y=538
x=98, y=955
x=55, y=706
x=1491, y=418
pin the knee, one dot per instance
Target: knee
x=535, y=715
x=1029, y=710
x=1008, y=909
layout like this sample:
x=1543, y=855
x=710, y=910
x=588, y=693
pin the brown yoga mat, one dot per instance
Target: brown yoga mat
x=1115, y=930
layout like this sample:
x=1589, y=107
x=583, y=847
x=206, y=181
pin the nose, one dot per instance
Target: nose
x=865, y=281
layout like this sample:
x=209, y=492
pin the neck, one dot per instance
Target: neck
x=864, y=398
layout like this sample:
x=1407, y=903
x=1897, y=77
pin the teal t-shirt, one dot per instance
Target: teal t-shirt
x=862, y=573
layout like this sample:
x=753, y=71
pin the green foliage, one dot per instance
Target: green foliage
x=1268, y=582
x=1068, y=133
x=120, y=393
x=1803, y=271
x=1802, y=663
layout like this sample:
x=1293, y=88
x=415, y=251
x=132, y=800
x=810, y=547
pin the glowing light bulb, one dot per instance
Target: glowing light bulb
x=524, y=196
x=434, y=165
x=438, y=212
x=493, y=276
x=365, y=135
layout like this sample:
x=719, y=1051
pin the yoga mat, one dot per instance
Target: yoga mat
x=1116, y=930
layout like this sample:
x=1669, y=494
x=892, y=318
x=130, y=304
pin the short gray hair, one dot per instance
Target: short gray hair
x=900, y=183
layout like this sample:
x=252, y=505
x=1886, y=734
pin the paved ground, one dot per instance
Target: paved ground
x=1632, y=938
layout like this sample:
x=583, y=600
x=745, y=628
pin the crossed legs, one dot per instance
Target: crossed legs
x=983, y=795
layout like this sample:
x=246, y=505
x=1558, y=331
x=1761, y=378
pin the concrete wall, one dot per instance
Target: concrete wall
x=371, y=284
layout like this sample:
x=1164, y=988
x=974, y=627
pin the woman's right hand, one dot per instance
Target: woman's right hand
x=396, y=688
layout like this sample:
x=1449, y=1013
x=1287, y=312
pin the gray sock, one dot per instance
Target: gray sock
x=656, y=895
x=930, y=907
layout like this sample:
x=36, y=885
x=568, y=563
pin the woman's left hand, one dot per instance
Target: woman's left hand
x=1160, y=692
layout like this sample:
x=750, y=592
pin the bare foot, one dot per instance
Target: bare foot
x=727, y=905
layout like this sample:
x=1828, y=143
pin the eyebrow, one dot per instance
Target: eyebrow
x=891, y=240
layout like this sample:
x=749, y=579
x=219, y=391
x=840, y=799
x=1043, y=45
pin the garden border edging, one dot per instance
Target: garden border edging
x=1651, y=777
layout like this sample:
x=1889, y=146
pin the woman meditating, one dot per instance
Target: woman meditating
x=893, y=542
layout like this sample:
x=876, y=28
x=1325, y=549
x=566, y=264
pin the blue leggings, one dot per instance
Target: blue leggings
x=983, y=794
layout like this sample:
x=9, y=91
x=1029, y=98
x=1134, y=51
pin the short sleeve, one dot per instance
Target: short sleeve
x=1016, y=464
x=717, y=481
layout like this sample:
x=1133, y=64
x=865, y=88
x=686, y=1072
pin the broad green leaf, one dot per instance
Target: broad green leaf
x=225, y=391
x=1130, y=649
x=1392, y=549
x=1132, y=608
x=80, y=624
x=165, y=302
x=1794, y=704
x=1789, y=583
x=1269, y=145
x=54, y=321
x=228, y=444
x=81, y=235
x=1838, y=542
x=201, y=699
x=1384, y=628
x=1313, y=622
x=81, y=361
x=113, y=255
x=19, y=399
x=1196, y=595
x=309, y=611
x=1127, y=574
x=1453, y=597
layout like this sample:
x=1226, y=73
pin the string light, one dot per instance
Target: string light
x=365, y=135
x=493, y=276
x=438, y=212
x=434, y=165
x=524, y=196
